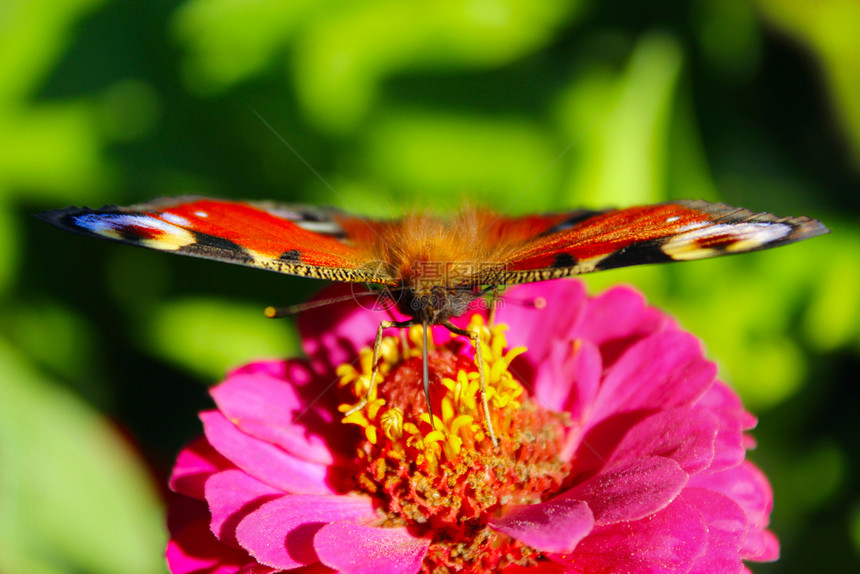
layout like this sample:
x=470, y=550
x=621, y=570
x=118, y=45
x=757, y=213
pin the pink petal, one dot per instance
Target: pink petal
x=315, y=569
x=663, y=370
x=588, y=369
x=721, y=397
x=758, y=545
x=353, y=549
x=667, y=542
x=554, y=379
x=632, y=490
x=563, y=300
x=748, y=421
x=539, y=568
x=273, y=410
x=280, y=533
x=619, y=317
x=194, y=550
x=333, y=334
x=194, y=464
x=568, y=380
x=730, y=447
x=726, y=525
x=686, y=435
x=555, y=526
x=748, y=487
x=771, y=548
x=231, y=495
x=263, y=460
x=277, y=369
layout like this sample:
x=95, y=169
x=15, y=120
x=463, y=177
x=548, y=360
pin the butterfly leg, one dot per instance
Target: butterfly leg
x=475, y=337
x=404, y=340
x=426, y=368
x=494, y=299
x=377, y=346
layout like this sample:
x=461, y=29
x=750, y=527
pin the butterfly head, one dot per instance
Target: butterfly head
x=435, y=304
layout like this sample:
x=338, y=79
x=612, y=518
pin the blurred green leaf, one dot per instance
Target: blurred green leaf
x=129, y=109
x=33, y=35
x=342, y=47
x=449, y=157
x=75, y=498
x=208, y=336
x=829, y=28
x=689, y=175
x=227, y=41
x=816, y=473
x=73, y=345
x=619, y=125
x=855, y=527
x=45, y=149
x=53, y=150
x=729, y=35
x=9, y=255
x=354, y=49
x=832, y=320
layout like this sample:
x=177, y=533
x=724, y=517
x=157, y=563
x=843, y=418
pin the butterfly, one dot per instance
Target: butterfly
x=435, y=267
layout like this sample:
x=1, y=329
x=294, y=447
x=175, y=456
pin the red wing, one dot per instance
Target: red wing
x=292, y=239
x=525, y=229
x=679, y=231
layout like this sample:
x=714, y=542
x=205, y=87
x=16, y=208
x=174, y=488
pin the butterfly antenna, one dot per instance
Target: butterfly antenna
x=424, y=328
x=280, y=312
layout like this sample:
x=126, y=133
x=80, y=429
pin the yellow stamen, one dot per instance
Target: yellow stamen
x=392, y=423
x=459, y=422
x=405, y=428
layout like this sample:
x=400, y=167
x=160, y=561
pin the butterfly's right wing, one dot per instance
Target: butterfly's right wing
x=584, y=242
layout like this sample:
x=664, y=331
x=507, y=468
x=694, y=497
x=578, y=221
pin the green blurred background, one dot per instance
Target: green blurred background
x=376, y=107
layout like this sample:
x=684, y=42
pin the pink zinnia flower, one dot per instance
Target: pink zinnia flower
x=619, y=451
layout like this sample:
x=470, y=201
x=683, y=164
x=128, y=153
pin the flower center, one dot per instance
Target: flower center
x=445, y=479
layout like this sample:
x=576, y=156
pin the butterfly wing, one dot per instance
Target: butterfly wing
x=678, y=231
x=292, y=239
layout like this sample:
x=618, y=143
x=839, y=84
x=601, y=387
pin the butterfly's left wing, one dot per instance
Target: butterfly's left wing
x=678, y=231
x=293, y=239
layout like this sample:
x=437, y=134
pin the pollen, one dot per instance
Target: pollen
x=440, y=473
